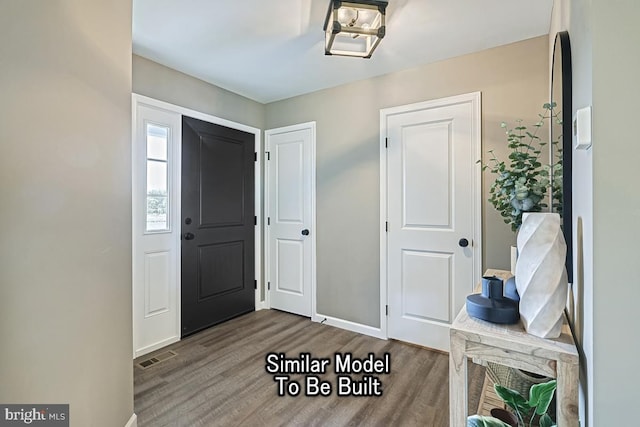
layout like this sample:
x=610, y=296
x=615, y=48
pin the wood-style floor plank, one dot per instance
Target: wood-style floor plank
x=218, y=378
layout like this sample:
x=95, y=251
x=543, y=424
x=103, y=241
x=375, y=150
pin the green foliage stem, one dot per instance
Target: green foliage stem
x=522, y=181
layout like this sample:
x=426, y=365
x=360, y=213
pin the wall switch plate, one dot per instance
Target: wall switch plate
x=582, y=128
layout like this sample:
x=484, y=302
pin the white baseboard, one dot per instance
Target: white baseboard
x=156, y=346
x=262, y=305
x=349, y=326
x=133, y=421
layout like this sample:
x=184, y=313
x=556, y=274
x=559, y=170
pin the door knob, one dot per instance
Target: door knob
x=305, y=232
x=463, y=243
x=189, y=236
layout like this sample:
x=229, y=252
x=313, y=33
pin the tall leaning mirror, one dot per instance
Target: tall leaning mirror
x=561, y=138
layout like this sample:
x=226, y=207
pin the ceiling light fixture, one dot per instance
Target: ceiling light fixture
x=355, y=27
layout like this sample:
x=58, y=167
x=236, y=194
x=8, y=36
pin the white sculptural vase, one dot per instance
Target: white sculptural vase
x=541, y=276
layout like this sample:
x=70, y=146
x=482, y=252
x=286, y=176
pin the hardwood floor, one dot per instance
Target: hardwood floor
x=218, y=378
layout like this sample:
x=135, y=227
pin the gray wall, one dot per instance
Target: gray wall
x=65, y=269
x=604, y=39
x=514, y=84
x=572, y=15
x=166, y=84
x=65, y=186
x=616, y=209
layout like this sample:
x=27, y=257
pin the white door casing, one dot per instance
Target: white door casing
x=291, y=231
x=156, y=255
x=430, y=199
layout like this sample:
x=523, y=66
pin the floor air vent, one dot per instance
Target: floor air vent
x=161, y=357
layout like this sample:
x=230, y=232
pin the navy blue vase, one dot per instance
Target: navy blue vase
x=510, y=290
x=491, y=305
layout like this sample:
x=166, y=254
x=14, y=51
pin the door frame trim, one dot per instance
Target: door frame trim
x=475, y=98
x=137, y=99
x=267, y=254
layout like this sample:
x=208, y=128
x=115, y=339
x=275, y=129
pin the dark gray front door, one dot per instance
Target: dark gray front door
x=217, y=224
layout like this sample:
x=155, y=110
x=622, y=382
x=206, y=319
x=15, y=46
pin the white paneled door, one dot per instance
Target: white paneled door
x=432, y=237
x=291, y=217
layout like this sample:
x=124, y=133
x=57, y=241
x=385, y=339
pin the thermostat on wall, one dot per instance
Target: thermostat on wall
x=582, y=128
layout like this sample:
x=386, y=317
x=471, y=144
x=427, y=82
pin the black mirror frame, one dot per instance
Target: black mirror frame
x=562, y=43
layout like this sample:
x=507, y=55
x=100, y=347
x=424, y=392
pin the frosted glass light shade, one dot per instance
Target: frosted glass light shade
x=354, y=28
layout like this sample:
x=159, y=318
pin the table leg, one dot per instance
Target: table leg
x=567, y=407
x=458, y=400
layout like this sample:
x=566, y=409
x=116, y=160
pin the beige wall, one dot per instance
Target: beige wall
x=65, y=186
x=514, y=84
x=166, y=84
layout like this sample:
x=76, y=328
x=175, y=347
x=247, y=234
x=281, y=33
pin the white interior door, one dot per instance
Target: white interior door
x=432, y=193
x=156, y=228
x=291, y=217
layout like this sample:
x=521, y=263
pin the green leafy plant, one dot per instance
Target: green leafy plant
x=483, y=421
x=540, y=396
x=522, y=180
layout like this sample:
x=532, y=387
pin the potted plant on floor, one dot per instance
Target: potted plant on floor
x=526, y=411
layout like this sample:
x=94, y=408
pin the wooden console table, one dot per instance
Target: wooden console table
x=510, y=345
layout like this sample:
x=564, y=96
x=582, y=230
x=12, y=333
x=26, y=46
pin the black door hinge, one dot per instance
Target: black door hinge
x=255, y=220
x=268, y=286
x=268, y=220
x=386, y=143
x=386, y=307
x=255, y=156
x=268, y=155
x=255, y=284
x=386, y=226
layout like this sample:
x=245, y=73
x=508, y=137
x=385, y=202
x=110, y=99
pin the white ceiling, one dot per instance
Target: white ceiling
x=269, y=50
